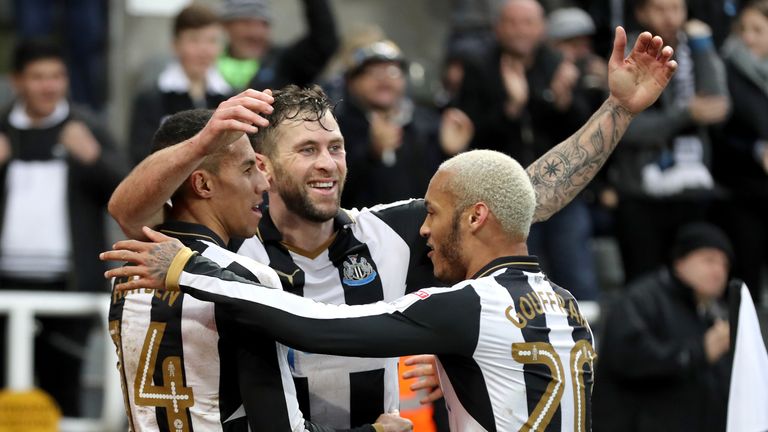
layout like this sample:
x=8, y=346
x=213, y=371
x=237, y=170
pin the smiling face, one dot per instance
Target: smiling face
x=42, y=84
x=197, y=49
x=442, y=230
x=379, y=85
x=239, y=190
x=309, y=167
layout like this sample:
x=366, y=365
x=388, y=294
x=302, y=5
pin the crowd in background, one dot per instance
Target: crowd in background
x=520, y=82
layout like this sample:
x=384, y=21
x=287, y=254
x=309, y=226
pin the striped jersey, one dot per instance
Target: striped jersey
x=514, y=352
x=376, y=254
x=183, y=364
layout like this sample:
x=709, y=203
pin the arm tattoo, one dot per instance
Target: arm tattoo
x=560, y=174
x=160, y=259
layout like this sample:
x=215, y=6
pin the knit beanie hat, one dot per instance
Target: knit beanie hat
x=700, y=235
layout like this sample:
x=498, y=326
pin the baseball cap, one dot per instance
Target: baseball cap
x=237, y=9
x=570, y=22
x=379, y=51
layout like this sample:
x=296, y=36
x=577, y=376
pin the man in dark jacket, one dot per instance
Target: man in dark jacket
x=394, y=146
x=250, y=59
x=663, y=363
x=57, y=172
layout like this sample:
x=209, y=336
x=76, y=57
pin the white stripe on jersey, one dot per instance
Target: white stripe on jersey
x=561, y=338
x=134, y=327
x=201, y=364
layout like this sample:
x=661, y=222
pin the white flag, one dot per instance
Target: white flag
x=748, y=397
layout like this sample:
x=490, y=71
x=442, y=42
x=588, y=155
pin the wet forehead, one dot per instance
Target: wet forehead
x=296, y=131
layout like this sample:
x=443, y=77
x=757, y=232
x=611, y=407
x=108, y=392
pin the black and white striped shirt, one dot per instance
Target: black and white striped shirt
x=184, y=366
x=376, y=254
x=514, y=352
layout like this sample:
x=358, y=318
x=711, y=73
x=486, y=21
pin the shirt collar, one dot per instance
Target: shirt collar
x=19, y=118
x=190, y=231
x=522, y=263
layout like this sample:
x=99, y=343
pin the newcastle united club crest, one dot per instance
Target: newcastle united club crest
x=358, y=271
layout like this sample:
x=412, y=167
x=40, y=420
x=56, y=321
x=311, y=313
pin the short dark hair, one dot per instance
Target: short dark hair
x=292, y=102
x=31, y=50
x=182, y=126
x=193, y=17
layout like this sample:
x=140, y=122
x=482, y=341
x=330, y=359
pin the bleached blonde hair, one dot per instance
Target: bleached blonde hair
x=497, y=180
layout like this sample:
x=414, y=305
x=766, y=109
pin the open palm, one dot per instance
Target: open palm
x=636, y=81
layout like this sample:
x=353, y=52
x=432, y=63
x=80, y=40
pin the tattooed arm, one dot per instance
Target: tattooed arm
x=635, y=82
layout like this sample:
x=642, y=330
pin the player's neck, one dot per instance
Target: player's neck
x=486, y=252
x=298, y=231
x=193, y=215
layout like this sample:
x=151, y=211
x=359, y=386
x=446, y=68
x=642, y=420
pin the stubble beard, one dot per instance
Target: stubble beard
x=297, y=200
x=452, y=255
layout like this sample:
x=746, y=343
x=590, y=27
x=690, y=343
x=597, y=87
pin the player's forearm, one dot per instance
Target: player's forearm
x=300, y=322
x=561, y=173
x=140, y=197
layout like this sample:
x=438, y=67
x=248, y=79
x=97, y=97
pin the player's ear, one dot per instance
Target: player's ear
x=264, y=165
x=477, y=215
x=202, y=184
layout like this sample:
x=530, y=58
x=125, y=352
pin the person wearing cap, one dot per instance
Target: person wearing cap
x=250, y=59
x=663, y=363
x=393, y=145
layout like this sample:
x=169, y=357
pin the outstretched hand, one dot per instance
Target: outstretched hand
x=235, y=116
x=637, y=80
x=150, y=260
x=425, y=369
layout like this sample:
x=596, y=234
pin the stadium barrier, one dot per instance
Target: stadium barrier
x=21, y=308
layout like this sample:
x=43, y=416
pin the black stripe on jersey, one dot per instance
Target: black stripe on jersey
x=365, y=404
x=240, y=270
x=170, y=346
x=258, y=368
x=302, y=394
x=406, y=221
x=291, y=276
x=358, y=273
x=537, y=376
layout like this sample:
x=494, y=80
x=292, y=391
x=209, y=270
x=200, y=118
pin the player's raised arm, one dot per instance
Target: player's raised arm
x=140, y=197
x=635, y=82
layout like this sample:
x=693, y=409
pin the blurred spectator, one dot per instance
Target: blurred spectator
x=393, y=146
x=189, y=81
x=57, y=171
x=521, y=96
x=717, y=14
x=570, y=31
x=662, y=363
x=661, y=167
x=742, y=159
x=250, y=59
x=82, y=25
